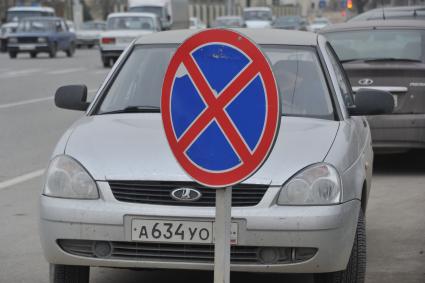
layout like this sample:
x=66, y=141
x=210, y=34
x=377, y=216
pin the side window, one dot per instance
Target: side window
x=343, y=83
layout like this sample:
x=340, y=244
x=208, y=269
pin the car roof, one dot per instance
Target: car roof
x=385, y=12
x=24, y=8
x=131, y=14
x=355, y=25
x=260, y=36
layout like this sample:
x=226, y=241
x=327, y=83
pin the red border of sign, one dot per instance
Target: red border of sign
x=266, y=142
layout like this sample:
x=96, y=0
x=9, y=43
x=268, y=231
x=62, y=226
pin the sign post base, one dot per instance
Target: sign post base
x=222, y=228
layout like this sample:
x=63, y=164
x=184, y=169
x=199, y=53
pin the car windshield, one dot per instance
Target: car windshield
x=320, y=22
x=148, y=9
x=377, y=44
x=288, y=20
x=231, y=22
x=36, y=26
x=257, y=15
x=130, y=23
x=16, y=16
x=299, y=77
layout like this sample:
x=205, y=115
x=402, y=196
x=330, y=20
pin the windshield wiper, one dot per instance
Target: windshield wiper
x=134, y=109
x=392, y=59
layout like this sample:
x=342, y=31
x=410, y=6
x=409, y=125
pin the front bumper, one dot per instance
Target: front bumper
x=28, y=48
x=398, y=131
x=329, y=229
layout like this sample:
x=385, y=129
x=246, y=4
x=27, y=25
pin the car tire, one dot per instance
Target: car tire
x=90, y=46
x=106, y=62
x=356, y=268
x=71, y=50
x=13, y=55
x=33, y=55
x=69, y=274
x=53, y=50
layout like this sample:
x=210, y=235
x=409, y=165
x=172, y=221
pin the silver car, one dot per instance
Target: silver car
x=116, y=197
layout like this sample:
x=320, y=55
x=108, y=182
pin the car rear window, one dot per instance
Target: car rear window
x=299, y=76
x=377, y=44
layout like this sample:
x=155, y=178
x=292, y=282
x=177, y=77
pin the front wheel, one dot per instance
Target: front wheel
x=106, y=62
x=71, y=50
x=13, y=55
x=356, y=268
x=33, y=55
x=69, y=273
x=53, y=51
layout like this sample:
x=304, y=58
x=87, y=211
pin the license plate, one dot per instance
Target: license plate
x=196, y=232
x=27, y=47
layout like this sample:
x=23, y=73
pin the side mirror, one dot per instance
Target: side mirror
x=73, y=97
x=372, y=102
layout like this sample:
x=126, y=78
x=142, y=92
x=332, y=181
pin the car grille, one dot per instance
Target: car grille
x=27, y=39
x=159, y=193
x=179, y=252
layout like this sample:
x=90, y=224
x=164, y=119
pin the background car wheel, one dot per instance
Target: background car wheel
x=53, y=50
x=69, y=273
x=13, y=55
x=70, y=52
x=356, y=268
x=33, y=54
x=90, y=46
x=106, y=62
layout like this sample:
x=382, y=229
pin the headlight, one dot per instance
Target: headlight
x=66, y=178
x=13, y=40
x=41, y=40
x=316, y=185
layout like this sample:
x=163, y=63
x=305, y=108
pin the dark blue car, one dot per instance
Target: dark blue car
x=42, y=35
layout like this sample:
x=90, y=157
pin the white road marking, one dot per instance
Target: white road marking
x=21, y=179
x=12, y=74
x=65, y=71
x=30, y=101
x=13, y=104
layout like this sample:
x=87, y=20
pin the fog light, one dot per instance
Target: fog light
x=102, y=249
x=302, y=254
x=268, y=255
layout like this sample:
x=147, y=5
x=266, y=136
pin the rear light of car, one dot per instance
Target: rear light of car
x=108, y=40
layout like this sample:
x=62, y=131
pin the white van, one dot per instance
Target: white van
x=174, y=14
x=258, y=17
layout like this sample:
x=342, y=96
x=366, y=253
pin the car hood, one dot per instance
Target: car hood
x=134, y=147
x=258, y=24
x=125, y=33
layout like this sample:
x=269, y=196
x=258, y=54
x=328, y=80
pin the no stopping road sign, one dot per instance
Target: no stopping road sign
x=220, y=107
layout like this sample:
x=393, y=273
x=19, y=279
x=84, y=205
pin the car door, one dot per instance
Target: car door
x=62, y=35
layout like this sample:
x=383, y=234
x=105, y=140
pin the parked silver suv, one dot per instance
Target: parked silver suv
x=113, y=189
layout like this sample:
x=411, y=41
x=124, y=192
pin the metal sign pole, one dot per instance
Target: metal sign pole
x=223, y=220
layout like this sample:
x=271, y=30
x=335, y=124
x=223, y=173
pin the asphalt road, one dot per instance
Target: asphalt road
x=30, y=126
